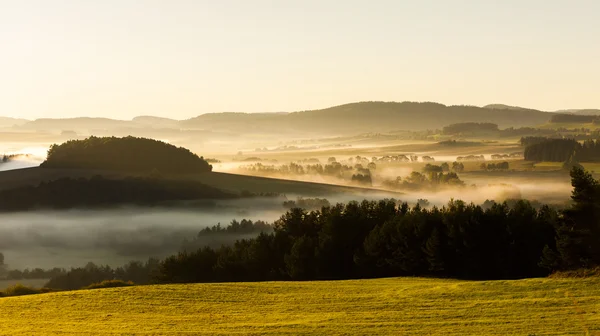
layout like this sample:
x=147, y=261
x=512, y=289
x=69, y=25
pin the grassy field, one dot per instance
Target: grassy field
x=398, y=306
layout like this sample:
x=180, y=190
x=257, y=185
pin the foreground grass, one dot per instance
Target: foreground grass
x=368, y=307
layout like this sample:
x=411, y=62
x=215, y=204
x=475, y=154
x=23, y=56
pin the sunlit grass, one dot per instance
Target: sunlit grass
x=369, y=307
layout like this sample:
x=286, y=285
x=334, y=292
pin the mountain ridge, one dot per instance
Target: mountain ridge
x=366, y=116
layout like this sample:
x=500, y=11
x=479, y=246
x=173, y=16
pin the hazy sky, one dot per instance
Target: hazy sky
x=122, y=58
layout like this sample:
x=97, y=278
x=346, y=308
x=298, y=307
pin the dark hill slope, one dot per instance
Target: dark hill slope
x=230, y=183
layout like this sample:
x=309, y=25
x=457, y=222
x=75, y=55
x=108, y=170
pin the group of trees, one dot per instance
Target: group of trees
x=457, y=167
x=531, y=140
x=2, y=266
x=495, y=166
x=215, y=236
x=10, y=157
x=128, y=154
x=35, y=273
x=376, y=239
x=506, y=156
x=471, y=158
x=431, y=179
x=556, y=150
x=573, y=118
x=333, y=169
x=100, y=192
x=359, y=173
x=562, y=150
x=307, y=203
x=135, y=271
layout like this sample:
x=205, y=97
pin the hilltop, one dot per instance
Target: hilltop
x=393, y=306
x=128, y=154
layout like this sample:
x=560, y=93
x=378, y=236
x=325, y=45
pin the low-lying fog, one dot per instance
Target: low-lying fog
x=28, y=156
x=49, y=239
x=71, y=238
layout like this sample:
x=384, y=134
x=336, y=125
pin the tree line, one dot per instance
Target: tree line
x=515, y=239
x=573, y=118
x=378, y=239
x=562, y=150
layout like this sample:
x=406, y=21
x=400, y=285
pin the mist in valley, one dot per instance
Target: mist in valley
x=70, y=238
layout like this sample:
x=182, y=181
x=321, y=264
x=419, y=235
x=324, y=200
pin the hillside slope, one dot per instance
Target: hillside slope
x=227, y=182
x=367, y=307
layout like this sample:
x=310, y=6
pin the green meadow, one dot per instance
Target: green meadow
x=394, y=306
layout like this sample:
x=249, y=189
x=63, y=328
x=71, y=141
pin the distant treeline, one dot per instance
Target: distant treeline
x=217, y=235
x=100, y=192
x=11, y=157
x=307, y=203
x=562, y=150
x=128, y=154
x=574, y=118
x=555, y=150
x=532, y=140
x=483, y=129
x=77, y=278
x=35, y=273
x=470, y=127
x=495, y=166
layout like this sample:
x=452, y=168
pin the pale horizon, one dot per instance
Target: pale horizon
x=181, y=59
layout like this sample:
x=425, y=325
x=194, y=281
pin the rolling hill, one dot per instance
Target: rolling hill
x=581, y=111
x=394, y=306
x=338, y=120
x=367, y=117
x=82, y=124
x=10, y=122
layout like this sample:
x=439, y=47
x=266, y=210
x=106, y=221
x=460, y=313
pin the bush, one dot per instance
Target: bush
x=578, y=273
x=19, y=290
x=110, y=284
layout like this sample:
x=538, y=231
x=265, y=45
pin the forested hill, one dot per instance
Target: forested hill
x=368, y=117
x=128, y=154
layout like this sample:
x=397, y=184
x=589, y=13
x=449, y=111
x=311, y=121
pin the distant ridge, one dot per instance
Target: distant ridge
x=352, y=118
x=367, y=117
x=10, y=122
x=155, y=121
x=506, y=107
x=581, y=111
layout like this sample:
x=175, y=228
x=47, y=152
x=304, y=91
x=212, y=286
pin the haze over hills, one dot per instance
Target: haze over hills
x=581, y=111
x=369, y=117
x=10, y=122
x=343, y=119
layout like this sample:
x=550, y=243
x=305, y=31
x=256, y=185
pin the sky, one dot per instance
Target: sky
x=182, y=58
